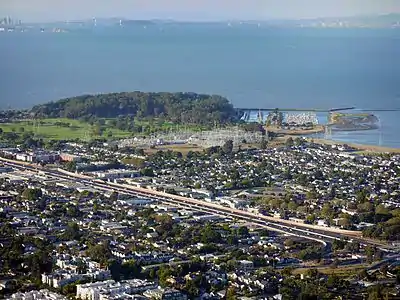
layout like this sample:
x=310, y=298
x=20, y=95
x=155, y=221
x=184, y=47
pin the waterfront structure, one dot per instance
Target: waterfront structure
x=300, y=119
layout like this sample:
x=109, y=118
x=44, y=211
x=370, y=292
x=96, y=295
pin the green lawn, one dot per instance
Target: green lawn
x=49, y=129
x=70, y=129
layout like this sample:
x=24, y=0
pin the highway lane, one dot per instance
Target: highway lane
x=292, y=228
x=318, y=234
x=88, y=181
x=291, y=231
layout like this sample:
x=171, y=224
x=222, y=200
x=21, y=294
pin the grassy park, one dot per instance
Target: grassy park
x=72, y=129
x=61, y=129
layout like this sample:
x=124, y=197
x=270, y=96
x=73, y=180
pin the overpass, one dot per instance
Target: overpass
x=308, y=231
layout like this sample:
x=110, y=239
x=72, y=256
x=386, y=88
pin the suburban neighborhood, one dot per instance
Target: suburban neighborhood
x=70, y=239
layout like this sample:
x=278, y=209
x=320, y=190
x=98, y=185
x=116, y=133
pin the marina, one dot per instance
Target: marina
x=382, y=133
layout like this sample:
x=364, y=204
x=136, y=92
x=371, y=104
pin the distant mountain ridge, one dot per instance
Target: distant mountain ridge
x=367, y=21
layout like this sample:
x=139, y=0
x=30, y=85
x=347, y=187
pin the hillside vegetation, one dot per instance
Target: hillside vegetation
x=188, y=108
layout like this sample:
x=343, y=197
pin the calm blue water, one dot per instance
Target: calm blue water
x=252, y=67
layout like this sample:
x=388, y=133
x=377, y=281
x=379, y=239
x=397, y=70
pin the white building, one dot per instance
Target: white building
x=246, y=265
x=161, y=294
x=111, y=226
x=135, y=202
x=68, y=271
x=108, y=289
x=39, y=295
x=117, y=173
x=322, y=223
x=41, y=156
x=21, y=156
x=123, y=296
x=232, y=202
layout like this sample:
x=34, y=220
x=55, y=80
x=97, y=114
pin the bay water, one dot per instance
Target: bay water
x=257, y=67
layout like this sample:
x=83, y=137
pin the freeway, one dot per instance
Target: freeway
x=308, y=231
x=197, y=206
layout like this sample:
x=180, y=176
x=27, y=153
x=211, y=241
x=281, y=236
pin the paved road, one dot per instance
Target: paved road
x=312, y=232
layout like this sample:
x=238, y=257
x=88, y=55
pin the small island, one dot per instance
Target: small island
x=353, y=121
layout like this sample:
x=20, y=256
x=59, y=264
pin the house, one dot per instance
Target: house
x=42, y=295
x=6, y=284
x=245, y=265
x=70, y=157
x=165, y=294
x=109, y=289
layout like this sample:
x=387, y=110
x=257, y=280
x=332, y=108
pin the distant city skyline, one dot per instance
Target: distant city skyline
x=190, y=10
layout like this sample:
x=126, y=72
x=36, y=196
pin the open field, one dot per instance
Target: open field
x=60, y=129
x=71, y=129
x=344, y=271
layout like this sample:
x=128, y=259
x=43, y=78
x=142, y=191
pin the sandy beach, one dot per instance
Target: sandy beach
x=366, y=148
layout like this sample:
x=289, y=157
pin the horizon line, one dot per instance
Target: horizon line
x=222, y=20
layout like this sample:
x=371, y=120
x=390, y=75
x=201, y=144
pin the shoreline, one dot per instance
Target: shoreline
x=361, y=147
x=283, y=135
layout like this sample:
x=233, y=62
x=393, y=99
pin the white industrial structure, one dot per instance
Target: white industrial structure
x=205, y=139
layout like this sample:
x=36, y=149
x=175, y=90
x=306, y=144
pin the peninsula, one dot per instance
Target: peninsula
x=165, y=116
x=102, y=194
x=175, y=107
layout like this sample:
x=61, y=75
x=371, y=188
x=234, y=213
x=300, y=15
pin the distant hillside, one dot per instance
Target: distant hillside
x=176, y=107
x=371, y=21
x=137, y=22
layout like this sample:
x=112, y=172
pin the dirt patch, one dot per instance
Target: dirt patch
x=183, y=148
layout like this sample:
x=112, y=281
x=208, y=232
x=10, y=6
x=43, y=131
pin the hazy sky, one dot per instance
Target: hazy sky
x=46, y=10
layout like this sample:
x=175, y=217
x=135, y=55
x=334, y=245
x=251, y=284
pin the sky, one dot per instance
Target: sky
x=195, y=10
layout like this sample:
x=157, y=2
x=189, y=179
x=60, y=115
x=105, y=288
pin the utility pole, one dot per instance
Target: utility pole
x=328, y=132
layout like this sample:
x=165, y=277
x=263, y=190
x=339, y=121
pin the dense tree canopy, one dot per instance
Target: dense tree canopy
x=176, y=107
